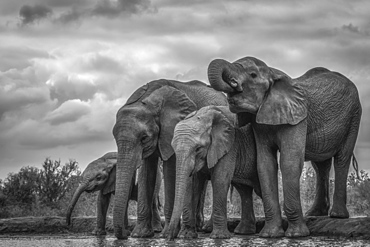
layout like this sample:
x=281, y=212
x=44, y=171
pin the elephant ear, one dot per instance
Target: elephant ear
x=110, y=185
x=172, y=106
x=137, y=94
x=222, y=138
x=285, y=102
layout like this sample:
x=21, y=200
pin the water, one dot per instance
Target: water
x=111, y=241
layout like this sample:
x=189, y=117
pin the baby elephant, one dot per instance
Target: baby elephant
x=208, y=141
x=100, y=175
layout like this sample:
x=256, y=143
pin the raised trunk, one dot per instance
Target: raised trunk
x=128, y=157
x=184, y=166
x=74, y=200
x=219, y=71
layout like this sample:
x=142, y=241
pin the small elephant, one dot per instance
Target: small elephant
x=314, y=117
x=100, y=175
x=208, y=141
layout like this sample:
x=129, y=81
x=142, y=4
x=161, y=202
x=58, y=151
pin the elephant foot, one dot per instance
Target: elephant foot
x=245, y=228
x=208, y=227
x=296, y=230
x=122, y=233
x=316, y=210
x=220, y=234
x=187, y=232
x=172, y=232
x=339, y=212
x=169, y=232
x=99, y=232
x=157, y=227
x=272, y=230
x=142, y=230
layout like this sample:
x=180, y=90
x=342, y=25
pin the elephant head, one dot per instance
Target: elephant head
x=254, y=88
x=98, y=175
x=201, y=139
x=144, y=127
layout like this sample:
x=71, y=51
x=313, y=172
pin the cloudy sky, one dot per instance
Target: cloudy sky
x=66, y=66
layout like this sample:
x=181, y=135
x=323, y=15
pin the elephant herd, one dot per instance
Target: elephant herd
x=229, y=133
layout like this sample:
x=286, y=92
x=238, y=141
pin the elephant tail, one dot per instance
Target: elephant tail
x=355, y=166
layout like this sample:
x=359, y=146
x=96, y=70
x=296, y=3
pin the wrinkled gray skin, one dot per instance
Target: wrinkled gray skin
x=143, y=131
x=314, y=117
x=100, y=175
x=208, y=141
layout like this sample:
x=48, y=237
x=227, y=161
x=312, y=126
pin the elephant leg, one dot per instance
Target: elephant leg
x=342, y=162
x=146, y=184
x=321, y=204
x=293, y=141
x=191, y=206
x=341, y=167
x=220, y=185
x=156, y=221
x=247, y=223
x=169, y=174
x=102, y=209
x=267, y=172
x=200, y=206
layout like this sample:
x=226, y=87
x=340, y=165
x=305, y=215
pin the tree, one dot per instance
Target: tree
x=22, y=187
x=56, y=180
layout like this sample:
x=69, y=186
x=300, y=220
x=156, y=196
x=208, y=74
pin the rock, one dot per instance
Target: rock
x=357, y=228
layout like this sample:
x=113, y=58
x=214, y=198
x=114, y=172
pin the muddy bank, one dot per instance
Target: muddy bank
x=319, y=226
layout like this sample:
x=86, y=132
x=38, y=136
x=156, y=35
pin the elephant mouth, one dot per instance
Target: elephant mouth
x=236, y=104
x=90, y=190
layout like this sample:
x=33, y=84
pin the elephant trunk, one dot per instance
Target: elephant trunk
x=128, y=157
x=74, y=200
x=219, y=73
x=184, y=167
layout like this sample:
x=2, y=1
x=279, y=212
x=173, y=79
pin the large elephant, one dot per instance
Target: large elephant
x=313, y=117
x=208, y=141
x=100, y=175
x=143, y=131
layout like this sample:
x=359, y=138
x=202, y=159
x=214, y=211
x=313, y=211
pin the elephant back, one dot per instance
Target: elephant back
x=331, y=99
x=201, y=94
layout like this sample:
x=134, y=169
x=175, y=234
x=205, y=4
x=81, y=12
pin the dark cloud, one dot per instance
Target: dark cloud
x=68, y=3
x=30, y=14
x=114, y=8
x=17, y=99
x=351, y=28
x=102, y=63
x=65, y=88
x=18, y=57
x=71, y=16
x=70, y=111
x=355, y=29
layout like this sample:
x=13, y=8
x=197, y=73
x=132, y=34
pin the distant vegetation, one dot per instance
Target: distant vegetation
x=47, y=192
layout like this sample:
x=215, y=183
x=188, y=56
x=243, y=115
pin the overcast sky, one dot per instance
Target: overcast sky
x=66, y=66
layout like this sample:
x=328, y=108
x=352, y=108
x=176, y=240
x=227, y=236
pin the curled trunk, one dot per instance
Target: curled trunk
x=128, y=157
x=74, y=200
x=184, y=166
x=219, y=72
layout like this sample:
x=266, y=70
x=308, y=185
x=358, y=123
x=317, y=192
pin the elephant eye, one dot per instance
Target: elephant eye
x=145, y=138
x=253, y=75
x=98, y=178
